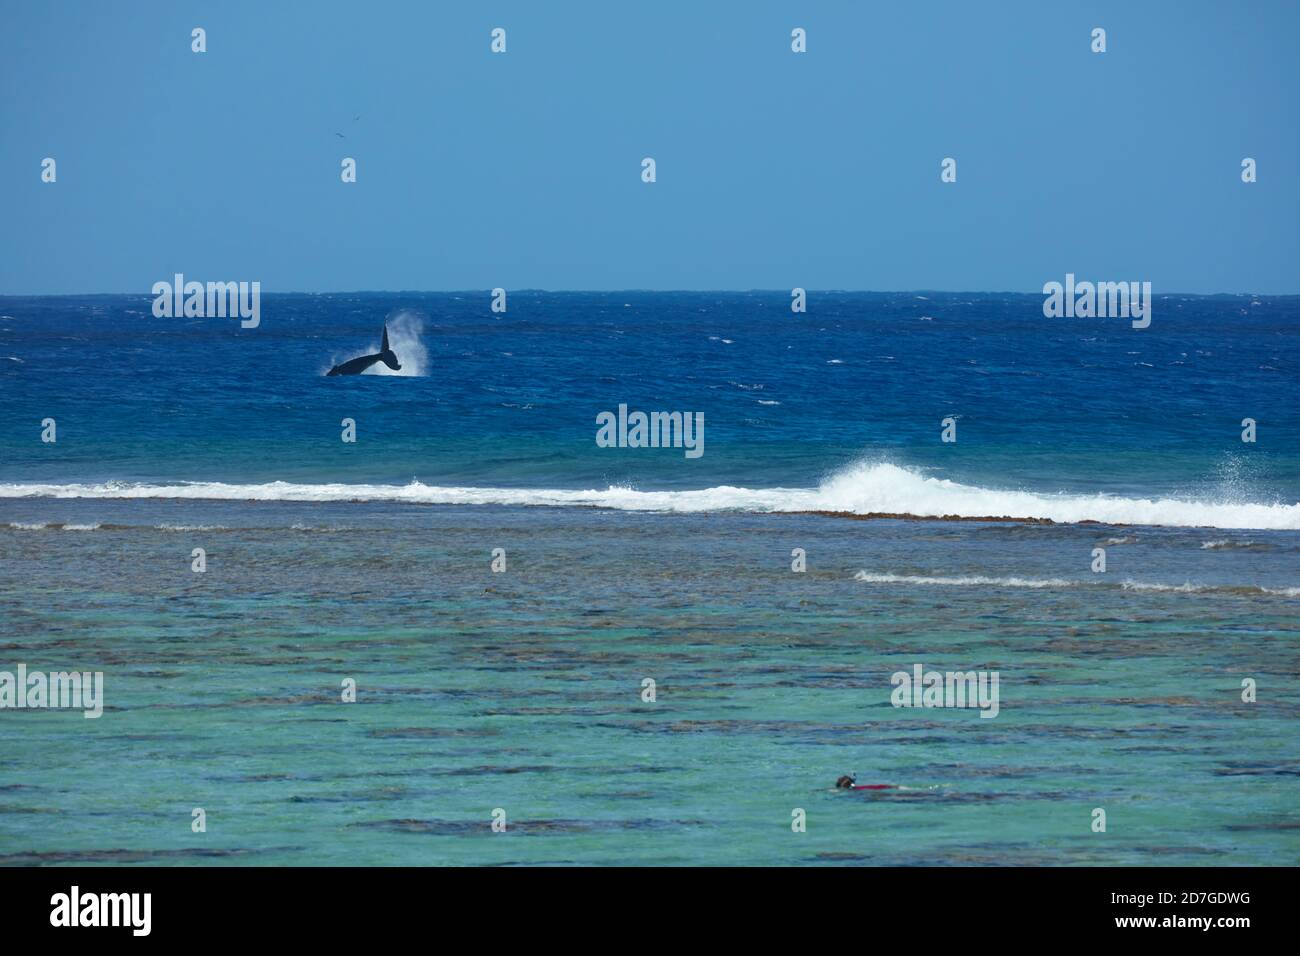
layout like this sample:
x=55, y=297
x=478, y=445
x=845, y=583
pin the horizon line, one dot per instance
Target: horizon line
x=774, y=291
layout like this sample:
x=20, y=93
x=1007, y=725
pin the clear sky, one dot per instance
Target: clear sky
x=775, y=169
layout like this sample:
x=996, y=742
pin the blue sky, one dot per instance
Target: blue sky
x=775, y=170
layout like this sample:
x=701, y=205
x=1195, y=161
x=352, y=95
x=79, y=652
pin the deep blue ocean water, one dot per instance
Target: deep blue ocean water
x=510, y=400
x=521, y=690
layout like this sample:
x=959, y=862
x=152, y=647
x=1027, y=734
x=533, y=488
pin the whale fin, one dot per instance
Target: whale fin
x=387, y=355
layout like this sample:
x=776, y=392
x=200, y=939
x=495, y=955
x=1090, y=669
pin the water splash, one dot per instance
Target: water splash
x=405, y=338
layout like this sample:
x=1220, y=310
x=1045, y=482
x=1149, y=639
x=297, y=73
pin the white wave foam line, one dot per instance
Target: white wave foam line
x=1228, y=545
x=866, y=488
x=42, y=526
x=860, y=489
x=1185, y=588
x=1189, y=588
x=974, y=580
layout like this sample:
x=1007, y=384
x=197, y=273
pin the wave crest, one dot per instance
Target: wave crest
x=863, y=490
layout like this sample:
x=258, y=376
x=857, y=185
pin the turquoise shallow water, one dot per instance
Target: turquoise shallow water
x=522, y=690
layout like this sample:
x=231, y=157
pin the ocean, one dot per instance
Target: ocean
x=1161, y=690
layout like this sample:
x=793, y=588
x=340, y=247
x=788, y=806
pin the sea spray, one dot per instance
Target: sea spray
x=405, y=338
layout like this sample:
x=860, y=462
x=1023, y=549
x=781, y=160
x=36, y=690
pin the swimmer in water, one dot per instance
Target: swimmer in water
x=849, y=783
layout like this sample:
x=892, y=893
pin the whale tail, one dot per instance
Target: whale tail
x=387, y=355
x=362, y=362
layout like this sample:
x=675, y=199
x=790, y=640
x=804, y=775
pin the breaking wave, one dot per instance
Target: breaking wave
x=972, y=580
x=51, y=526
x=863, y=490
x=982, y=581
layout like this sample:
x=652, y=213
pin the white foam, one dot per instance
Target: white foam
x=974, y=580
x=1185, y=588
x=1224, y=544
x=867, y=488
x=1189, y=588
x=48, y=526
x=858, y=489
x=981, y=581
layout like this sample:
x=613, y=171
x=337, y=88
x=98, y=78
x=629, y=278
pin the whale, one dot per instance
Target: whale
x=362, y=362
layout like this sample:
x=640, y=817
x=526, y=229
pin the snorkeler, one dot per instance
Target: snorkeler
x=849, y=783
